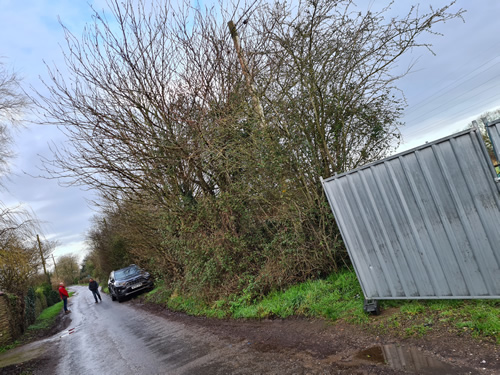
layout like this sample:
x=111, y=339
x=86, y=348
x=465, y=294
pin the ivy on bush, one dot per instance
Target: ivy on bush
x=30, y=301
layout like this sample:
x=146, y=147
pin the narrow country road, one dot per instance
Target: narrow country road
x=115, y=338
x=130, y=338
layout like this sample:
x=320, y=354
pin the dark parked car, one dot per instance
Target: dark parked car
x=127, y=281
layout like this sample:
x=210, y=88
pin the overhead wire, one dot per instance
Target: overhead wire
x=439, y=105
x=448, y=122
x=445, y=90
x=496, y=47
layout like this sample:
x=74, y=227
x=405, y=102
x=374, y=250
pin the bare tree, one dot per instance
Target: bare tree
x=148, y=105
x=67, y=269
x=325, y=73
x=19, y=256
x=19, y=262
x=157, y=109
x=17, y=219
x=328, y=77
x=12, y=103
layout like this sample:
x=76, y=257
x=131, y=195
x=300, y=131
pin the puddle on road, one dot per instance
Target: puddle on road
x=22, y=354
x=32, y=350
x=406, y=358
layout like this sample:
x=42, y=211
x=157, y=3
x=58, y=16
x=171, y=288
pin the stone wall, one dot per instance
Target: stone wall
x=17, y=313
x=5, y=330
x=11, y=324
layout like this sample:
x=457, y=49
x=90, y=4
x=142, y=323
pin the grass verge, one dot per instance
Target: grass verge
x=340, y=297
x=47, y=317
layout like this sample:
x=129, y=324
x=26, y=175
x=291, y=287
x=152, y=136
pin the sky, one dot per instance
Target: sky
x=444, y=93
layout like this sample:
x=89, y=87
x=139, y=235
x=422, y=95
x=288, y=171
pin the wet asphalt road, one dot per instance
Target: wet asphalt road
x=115, y=338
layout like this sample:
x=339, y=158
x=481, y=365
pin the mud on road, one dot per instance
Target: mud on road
x=321, y=347
x=340, y=348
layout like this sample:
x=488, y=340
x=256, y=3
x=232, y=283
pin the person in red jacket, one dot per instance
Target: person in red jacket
x=64, y=296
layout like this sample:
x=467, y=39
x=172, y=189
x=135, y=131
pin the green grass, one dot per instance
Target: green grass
x=9, y=346
x=47, y=317
x=412, y=308
x=479, y=318
x=164, y=296
x=337, y=297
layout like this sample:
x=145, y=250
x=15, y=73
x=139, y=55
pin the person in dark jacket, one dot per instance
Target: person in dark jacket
x=94, y=287
x=64, y=296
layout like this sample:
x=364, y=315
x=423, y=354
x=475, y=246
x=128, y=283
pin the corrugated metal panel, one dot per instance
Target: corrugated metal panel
x=493, y=129
x=423, y=223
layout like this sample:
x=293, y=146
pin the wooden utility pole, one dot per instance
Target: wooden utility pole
x=246, y=72
x=55, y=268
x=43, y=259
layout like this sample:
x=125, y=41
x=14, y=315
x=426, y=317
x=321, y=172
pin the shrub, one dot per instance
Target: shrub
x=29, y=307
x=51, y=295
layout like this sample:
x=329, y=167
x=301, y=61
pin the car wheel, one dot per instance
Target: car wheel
x=120, y=299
